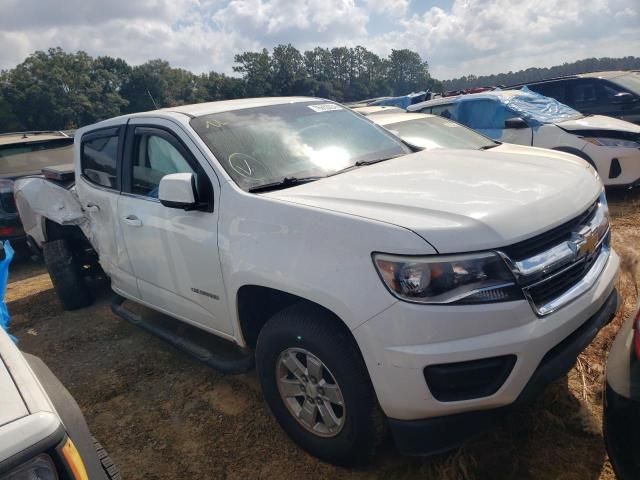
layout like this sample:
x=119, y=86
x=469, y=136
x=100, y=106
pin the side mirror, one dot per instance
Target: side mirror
x=178, y=190
x=623, y=98
x=515, y=122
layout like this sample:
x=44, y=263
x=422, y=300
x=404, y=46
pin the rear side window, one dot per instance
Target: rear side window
x=99, y=157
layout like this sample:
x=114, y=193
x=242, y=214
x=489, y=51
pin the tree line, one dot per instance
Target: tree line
x=59, y=90
x=534, y=74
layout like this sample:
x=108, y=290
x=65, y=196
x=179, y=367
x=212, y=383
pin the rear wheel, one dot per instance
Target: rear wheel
x=317, y=386
x=66, y=275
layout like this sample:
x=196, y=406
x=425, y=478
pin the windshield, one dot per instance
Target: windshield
x=437, y=132
x=259, y=146
x=630, y=81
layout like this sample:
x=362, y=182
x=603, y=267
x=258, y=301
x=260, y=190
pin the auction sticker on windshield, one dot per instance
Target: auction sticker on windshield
x=325, y=107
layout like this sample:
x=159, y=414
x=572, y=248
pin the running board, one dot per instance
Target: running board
x=215, y=352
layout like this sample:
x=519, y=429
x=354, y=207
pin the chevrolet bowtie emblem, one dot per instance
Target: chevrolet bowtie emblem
x=588, y=244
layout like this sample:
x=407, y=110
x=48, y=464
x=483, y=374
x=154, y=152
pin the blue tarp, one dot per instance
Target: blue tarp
x=4, y=278
x=403, y=101
x=487, y=112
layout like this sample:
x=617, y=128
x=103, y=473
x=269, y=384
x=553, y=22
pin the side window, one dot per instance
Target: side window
x=484, y=114
x=154, y=157
x=445, y=110
x=557, y=90
x=583, y=93
x=99, y=157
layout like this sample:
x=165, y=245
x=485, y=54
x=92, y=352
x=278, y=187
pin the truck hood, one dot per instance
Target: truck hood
x=460, y=200
x=599, y=122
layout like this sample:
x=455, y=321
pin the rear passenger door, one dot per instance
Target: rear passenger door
x=174, y=252
x=98, y=186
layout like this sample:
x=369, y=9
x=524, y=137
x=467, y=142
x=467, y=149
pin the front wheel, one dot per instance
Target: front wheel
x=317, y=386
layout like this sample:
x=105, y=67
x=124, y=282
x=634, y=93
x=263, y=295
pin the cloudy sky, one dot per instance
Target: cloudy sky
x=456, y=37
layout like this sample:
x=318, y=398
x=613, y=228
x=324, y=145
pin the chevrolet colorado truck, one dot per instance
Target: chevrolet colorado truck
x=43, y=434
x=377, y=287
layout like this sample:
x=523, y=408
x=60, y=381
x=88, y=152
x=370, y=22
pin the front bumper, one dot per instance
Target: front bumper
x=401, y=341
x=434, y=435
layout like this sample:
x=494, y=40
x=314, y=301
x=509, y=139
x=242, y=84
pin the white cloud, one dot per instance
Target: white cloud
x=397, y=8
x=469, y=36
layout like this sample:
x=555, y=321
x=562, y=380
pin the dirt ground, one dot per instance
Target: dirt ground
x=162, y=414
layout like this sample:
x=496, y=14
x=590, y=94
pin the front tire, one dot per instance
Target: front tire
x=66, y=275
x=317, y=386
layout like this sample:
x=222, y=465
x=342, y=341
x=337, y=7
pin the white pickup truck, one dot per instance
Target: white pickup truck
x=378, y=287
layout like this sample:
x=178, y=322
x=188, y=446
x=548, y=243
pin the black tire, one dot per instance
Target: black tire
x=313, y=329
x=110, y=469
x=66, y=275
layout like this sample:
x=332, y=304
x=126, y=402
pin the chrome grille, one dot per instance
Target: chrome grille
x=554, y=273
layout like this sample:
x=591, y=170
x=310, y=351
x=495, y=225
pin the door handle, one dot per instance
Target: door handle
x=92, y=207
x=133, y=221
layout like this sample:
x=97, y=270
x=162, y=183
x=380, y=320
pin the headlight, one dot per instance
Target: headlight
x=612, y=142
x=38, y=468
x=473, y=278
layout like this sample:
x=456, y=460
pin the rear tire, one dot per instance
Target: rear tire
x=66, y=275
x=110, y=469
x=310, y=333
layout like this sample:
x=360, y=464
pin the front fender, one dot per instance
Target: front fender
x=316, y=254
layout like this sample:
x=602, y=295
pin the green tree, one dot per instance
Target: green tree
x=56, y=90
x=255, y=68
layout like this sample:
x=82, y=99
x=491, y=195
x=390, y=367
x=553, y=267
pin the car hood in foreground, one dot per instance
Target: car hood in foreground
x=460, y=200
x=599, y=122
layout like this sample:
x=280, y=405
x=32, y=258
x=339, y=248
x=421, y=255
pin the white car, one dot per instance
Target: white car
x=431, y=132
x=43, y=434
x=523, y=117
x=377, y=287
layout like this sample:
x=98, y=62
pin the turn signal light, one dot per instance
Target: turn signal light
x=74, y=461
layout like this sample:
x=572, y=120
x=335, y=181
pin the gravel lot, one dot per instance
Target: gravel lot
x=162, y=414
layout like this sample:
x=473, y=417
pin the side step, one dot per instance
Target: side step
x=215, y=352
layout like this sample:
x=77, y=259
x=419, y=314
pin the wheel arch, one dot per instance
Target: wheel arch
x=256, y=304
x=578, y=153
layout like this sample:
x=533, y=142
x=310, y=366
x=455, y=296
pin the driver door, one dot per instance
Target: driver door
x=174, y=253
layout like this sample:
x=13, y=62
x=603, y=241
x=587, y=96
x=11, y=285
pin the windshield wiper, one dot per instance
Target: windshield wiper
x=362, y=163
x=487, y=147
x=284, y=183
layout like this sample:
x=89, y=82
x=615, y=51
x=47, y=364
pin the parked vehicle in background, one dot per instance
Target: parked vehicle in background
x=434, y=132
x=376, y=110
x=523, y=117
x=614, y=94
x=43, y=434
x=377, y=287
x=26, y=153
x=622, y=401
